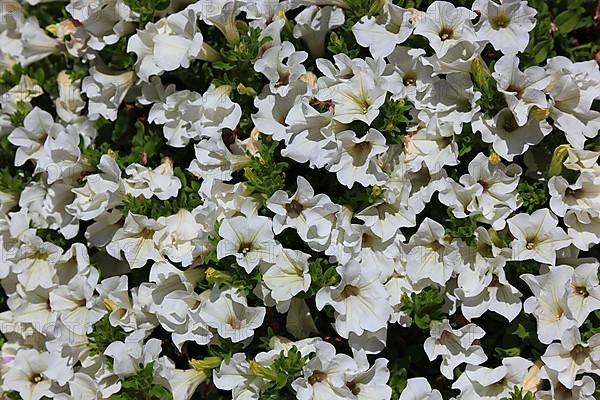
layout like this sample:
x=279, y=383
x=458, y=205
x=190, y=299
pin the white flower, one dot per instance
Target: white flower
x=136, y=240
x=35, y=263
x=229, y=313
x=357, y=160
x=419, y=389
x=549, y=302
x=129, y=354
x=382, y=33
x=75, y=304
x=288, y=276
x=106, y=90
x=324, y=376
x=482, y=383
x=428, y=254
x=177, y=237
x=171, y=43
x=584, y=292
x=188, y=115
x=249, y=239
x=498, y=196
x=537, y=236
x=445, y=26
x=406, y=76
x=572, y=356
x=522, y=90
x=147, y=182
x=312, y=216
x=282, y=65
x=506, y=136
x=26, y=375
x=30, y=139
x=36, y=44
x=455, y=346
x=505, y=25
x=235, y=375
x=313, y=24
x=360, y=300
x=370, y=383
x=357, y=99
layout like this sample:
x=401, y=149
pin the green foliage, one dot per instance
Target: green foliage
x=393, y=119
x=342, y=40
x=322, y=274
x=461, y=228
x=563, y=28
x=104, y=334
x=147, y=8
x=424, y=307
x=491, y=101
x=534, y=195
x=228, y=273
x=359, y=198
x=18, y=117
x=11, y=77
x=46, y=13
x=284, y=370
x=11, y=182
x=116, y=57
x=591, y=326
x=225, y=349
x=133, y=141
x=398, y=379
x=141, y=387
x=518, y=394
x=236, y=64
x=264, y=173
x=52, y=236
x=338, y=43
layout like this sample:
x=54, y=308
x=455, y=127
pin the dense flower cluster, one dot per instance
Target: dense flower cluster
x=299, y=199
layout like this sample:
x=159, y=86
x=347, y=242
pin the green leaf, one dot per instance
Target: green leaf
x=568, y=20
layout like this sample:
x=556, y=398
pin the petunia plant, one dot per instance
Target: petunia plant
x=300, y=199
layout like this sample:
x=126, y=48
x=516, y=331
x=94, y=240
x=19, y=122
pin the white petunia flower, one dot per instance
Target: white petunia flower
x=549, y=304
x=313, y=24
x=357, y=159
x=147, y=182
x=136, y=240
x=106, y=90
x=282, y=65
x=288, y=276
x=249, y=239
x=445, y=26
x=522, y=90
x=506, y=136
x=392, y=26
x=482, y=383
x=537, y=236
x=419, y=389
x=324, y=376
x=357, y=99
x=455, y=346
x=572, y=356
x=29, y=139
x=429, y=255
x=170, y=43
x=505, y=25
x=312, y=216
x=26, y=375
x=360, y=300
x=229, y=313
